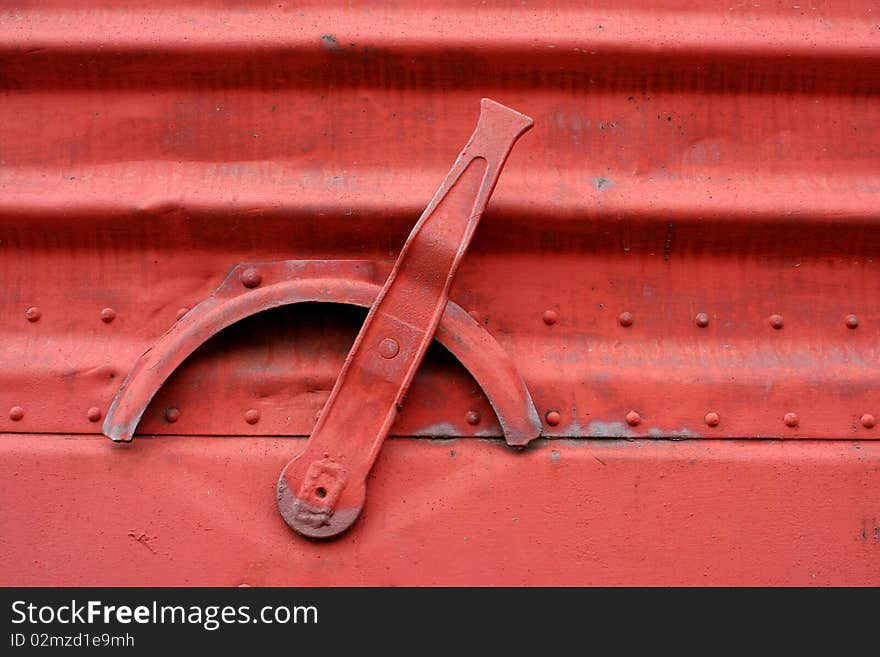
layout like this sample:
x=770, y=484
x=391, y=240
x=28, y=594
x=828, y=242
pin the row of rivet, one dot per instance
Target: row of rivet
x=16, y=414
x=34, y=314
x=634, y=418
x=250, y=278
x=626, y=320
x=553, y=418
x=172, y=414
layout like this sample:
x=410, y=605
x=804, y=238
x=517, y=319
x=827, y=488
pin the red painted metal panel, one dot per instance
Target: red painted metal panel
x=200, y=511
x=684, y=161
x=685, y=245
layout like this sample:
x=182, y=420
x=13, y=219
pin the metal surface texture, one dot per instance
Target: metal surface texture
x=447, y=512
x=686, y=232
x=684, y=247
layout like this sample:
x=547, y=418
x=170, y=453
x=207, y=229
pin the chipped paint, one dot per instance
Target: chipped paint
x=599, y=429
x=674, y=434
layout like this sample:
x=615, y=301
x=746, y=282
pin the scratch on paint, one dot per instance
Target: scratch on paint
x=143, y=539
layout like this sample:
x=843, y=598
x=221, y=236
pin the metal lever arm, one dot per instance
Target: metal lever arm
x=321, y=492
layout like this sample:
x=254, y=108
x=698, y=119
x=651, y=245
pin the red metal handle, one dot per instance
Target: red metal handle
x=321, y=492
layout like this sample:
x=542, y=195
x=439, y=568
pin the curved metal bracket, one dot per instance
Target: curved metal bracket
x=252, y=288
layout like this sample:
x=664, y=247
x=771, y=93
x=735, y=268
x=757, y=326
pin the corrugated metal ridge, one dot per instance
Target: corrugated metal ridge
x=267, y=47
x=685, y=161
x=417, y=28
x=158, y=187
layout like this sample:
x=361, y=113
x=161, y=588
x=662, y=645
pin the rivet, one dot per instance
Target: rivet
x=388, y=348
x=553, y=418
x=625, y=318
x=172, y=414
x=550, y=317
x=633, y=418
x=868, y=421
x=712, y=419
x=94, y=414
x=33, y=314
x=252, y=416
x=701, y=320
x=472, y=417
x=852, y=321
x=791, y=419
x=250, y=277
x=16, y=413
x=108, y=315
x=776, y=321
x=181, y=312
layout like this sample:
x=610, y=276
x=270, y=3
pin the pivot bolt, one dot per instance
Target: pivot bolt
x=389, y=348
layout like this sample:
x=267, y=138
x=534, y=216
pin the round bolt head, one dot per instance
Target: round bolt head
x=251, y=277
x=625, y=318
x=777, y=322
x=389, y=348
x=94, y=414
x=16, y=413
x=550, y=317
x=172, y=414
x=472, y=417
x=712, y=419
x=633, y=418
x=868, y=421
x=791, y=419
x=108, y=315
x=33, y=314
x=701, y=320
x=252, y=416
x=852, y=321
x=553, y=418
